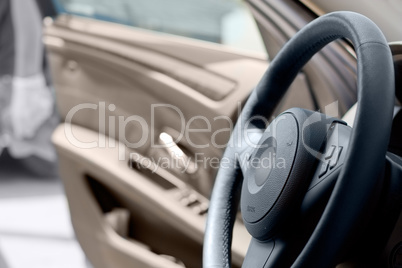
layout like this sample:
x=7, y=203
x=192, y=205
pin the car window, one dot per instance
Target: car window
x=227, y=22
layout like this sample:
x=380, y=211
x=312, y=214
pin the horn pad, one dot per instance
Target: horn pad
x=279, y=170
x=270, y=166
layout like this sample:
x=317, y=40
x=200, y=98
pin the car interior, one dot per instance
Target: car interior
x=126, y=94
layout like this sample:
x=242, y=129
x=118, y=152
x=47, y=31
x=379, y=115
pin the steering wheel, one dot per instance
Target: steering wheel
x=293, y=218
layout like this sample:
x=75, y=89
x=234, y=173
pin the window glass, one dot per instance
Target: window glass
x=226, y=22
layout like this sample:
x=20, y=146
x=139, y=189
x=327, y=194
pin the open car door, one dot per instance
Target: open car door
x=147, y=116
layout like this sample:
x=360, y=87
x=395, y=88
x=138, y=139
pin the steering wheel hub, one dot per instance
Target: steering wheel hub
x=270, y=166
x=279, y=169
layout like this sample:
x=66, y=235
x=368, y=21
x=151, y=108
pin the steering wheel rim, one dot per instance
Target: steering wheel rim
x=375, y=72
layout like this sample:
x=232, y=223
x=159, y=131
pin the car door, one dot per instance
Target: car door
x=148, y=92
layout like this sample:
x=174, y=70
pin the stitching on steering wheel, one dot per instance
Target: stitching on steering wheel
x=229, y=222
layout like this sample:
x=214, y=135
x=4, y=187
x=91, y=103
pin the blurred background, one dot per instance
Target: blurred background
x=35, y=230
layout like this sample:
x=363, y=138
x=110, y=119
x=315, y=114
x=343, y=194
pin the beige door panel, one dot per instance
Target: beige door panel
x=132, y=218
x=102, y=64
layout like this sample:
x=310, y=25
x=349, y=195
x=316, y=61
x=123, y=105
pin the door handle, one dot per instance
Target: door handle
x=182, y=160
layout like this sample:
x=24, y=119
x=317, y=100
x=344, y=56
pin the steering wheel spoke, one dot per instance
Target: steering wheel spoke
x=258, y=253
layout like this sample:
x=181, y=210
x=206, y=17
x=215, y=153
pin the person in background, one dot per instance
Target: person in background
x=7, y=52
x=27, y=109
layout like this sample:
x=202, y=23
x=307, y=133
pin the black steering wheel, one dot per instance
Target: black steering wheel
x=279, y=202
